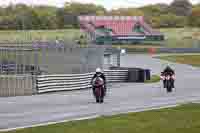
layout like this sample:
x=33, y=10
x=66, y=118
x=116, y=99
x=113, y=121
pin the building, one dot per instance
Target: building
x=118, y=29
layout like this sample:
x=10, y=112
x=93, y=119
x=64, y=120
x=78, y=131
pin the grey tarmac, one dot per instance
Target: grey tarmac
x=26, y=111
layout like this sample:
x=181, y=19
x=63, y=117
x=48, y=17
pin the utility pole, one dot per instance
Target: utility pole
x=118, y=56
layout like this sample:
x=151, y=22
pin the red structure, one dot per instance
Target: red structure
x=118, y=28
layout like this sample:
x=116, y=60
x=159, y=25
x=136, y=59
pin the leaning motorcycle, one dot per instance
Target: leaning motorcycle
x=98, y=84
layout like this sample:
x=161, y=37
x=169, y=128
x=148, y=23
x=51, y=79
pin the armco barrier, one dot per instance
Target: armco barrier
x=50, y=83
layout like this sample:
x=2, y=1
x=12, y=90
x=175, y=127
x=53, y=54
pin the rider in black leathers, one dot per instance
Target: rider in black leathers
x=168, y=71
x=101, y=75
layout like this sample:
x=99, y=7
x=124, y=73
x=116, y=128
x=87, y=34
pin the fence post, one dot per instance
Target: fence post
x=1, y=86
x=34, y=84
x=118, y=59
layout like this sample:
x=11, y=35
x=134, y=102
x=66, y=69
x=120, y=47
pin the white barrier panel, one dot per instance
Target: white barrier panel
x=50, y=83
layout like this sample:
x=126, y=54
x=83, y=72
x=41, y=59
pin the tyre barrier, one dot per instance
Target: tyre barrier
x=135, y=74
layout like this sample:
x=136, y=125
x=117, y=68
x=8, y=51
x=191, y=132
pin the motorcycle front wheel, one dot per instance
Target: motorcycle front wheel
x=168, y=86
x=99, y=95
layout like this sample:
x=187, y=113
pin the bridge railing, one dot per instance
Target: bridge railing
x=51, y=83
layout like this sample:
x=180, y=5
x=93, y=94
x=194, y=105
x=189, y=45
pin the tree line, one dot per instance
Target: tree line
x=179, y=13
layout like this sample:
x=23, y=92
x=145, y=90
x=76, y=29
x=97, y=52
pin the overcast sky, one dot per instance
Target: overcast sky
x=109, y=4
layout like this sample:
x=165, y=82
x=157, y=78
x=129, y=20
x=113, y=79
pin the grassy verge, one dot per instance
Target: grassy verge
x=175, y=37
x=181, y=37
x=193, y=60
x=182, y=119
x=135, y=46
x=154, y=79
x=32, y=35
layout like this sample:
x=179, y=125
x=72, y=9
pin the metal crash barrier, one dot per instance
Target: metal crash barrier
x=51, y=83
x=28, y=85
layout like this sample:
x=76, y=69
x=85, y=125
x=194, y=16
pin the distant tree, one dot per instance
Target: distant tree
x=152, y=13
x=181, y=7
x=155, y=22
x=155, y=10
x=22, y=16
x=60, y=18
x=83, y=9
x=47, y=17
x=76, y=9
x=7, y=22
x=171, y=20
x=193, y=19
x=127, y=12
x=2, y=11
x=26, y=17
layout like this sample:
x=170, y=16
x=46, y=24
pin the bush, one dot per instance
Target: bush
x=171, y=20
x=193, y=19
x=68, y=26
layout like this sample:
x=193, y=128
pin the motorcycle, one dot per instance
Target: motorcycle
x=168, y=81
x=98, y=84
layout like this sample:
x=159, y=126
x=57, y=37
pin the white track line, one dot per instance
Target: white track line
x=86, y=118
x=49, y=123
x=145, y=108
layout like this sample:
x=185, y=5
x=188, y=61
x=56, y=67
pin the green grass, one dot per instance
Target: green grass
x=176, y=37
x=181, y=37
x=154, y=79
x=21, y=36
x=182, y=119
x=139, y=46
x=193, y=60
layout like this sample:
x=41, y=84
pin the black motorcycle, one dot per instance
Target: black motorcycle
x=98, y=84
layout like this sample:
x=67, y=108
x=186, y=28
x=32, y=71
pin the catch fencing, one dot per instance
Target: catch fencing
x=49, y=66
x=50, y=58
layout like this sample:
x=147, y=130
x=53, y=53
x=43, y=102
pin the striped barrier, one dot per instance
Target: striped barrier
x=51, y=83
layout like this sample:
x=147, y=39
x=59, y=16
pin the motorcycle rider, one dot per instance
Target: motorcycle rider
x=100, y=74
x=168, y=71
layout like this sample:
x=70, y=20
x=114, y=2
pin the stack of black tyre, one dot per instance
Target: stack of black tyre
x=135, y=74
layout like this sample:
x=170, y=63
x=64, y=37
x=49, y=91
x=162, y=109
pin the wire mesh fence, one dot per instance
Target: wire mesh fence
x=21, y=64
x=50, y=58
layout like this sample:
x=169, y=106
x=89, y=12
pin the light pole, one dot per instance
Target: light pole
x=121, y=52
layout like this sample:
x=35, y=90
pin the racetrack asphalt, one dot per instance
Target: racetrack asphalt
x=25, y=111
